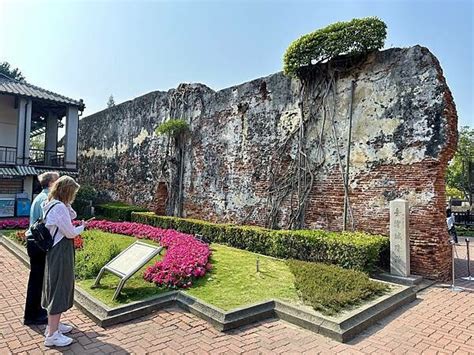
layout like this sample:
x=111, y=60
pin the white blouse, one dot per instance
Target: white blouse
x=450, y=221
x=60, y=217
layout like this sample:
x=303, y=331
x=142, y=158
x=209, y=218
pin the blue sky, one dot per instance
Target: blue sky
x=91, y=49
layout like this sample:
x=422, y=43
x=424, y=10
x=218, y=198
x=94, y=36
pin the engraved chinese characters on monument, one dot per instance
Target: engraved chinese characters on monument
x=399, y=238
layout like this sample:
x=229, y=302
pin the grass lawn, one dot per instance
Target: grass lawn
x=233, y=280
x=9, y=232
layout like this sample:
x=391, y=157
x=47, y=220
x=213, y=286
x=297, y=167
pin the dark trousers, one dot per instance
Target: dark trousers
x=453, y=234
x=33, y=309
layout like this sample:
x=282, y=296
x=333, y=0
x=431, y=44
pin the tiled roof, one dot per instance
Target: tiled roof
x=61, y=172
x=9, y=172
x=25, y=170
x=15, y=87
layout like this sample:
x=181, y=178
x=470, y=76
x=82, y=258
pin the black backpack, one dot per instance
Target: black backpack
x=40, y=235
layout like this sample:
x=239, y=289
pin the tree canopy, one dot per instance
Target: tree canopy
x=5, y=68
x=457, y=176
x=173, y=127
x=355, y=36
x=111, y=101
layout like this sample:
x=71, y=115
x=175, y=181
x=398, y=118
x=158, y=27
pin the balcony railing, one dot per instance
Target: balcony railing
x=40, y=157
x=7, y=155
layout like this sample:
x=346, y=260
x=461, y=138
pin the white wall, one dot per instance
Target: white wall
x=28, y=186
x=8, y=121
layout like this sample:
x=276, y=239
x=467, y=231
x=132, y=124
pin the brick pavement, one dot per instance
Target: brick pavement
x=440, y=321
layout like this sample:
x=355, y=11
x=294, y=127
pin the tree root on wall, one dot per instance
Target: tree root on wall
x=292, y=177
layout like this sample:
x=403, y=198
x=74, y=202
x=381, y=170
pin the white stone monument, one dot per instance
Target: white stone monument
x=399, y=238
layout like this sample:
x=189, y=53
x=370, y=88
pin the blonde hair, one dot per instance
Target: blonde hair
x=64, y=190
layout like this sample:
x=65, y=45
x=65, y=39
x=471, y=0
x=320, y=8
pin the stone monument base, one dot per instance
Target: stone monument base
x=411, y=280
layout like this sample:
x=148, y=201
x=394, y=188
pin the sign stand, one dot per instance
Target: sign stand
x=128, y=262
x=469, y=277
x=454, y=288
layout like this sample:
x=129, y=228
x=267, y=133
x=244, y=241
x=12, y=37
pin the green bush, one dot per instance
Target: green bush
x=117, y=211
x=465, y=231
x=352, y=250
x=84, y=197
x=94, y=255
x=352, y=37
x=172, y=127
x=86, y=192
x=334, y=288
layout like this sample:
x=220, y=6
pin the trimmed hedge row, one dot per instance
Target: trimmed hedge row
x=117, y=211
x=334, y=288
x=351, y=250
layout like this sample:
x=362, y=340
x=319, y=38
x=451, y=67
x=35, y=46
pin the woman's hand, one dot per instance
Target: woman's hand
x=85, y=223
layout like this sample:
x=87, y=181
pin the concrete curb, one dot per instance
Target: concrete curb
x=342, y=328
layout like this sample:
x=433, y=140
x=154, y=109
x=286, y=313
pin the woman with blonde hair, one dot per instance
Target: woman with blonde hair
x=58, y=283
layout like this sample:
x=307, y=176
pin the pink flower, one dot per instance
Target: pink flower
x=186, y=257
x=15, y=223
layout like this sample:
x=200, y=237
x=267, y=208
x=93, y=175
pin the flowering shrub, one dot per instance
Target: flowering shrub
x=16, y=223
x=186, y=257
x=78, y=242
x=20, y=236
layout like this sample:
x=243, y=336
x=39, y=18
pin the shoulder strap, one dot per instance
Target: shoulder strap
x=46, y=214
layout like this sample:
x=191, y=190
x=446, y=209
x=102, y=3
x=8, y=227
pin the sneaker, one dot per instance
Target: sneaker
x=57, y=339
x=62, y=328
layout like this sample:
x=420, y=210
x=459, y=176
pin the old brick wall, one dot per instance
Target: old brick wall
x=404, y=133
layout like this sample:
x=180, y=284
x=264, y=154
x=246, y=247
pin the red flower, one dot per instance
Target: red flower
x=21, y=236
x=78, y=242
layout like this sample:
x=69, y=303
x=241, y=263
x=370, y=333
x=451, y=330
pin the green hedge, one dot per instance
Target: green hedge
x=97, y=251
x=117, y=211
x=335, y=288
x=85, y=196
x=352, y=250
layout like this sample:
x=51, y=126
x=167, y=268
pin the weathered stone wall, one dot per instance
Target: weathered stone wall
x=404, y=133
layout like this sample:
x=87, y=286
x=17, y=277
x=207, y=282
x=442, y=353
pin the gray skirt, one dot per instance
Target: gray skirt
x=58, y=282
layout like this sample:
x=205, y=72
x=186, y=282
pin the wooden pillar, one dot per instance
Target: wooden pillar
x=51, y=139
x=70, y=142
x=24, y=131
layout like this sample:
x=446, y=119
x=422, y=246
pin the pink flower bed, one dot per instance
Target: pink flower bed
x=186, y=257
x=15, y=223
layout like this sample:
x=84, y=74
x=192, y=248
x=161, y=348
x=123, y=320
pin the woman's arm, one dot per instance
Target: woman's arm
x=63, y=222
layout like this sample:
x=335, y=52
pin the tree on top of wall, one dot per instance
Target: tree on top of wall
x=111, y=102
x=311, y=59
x=173, y=128
x=5, y=68
x=353, y=37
